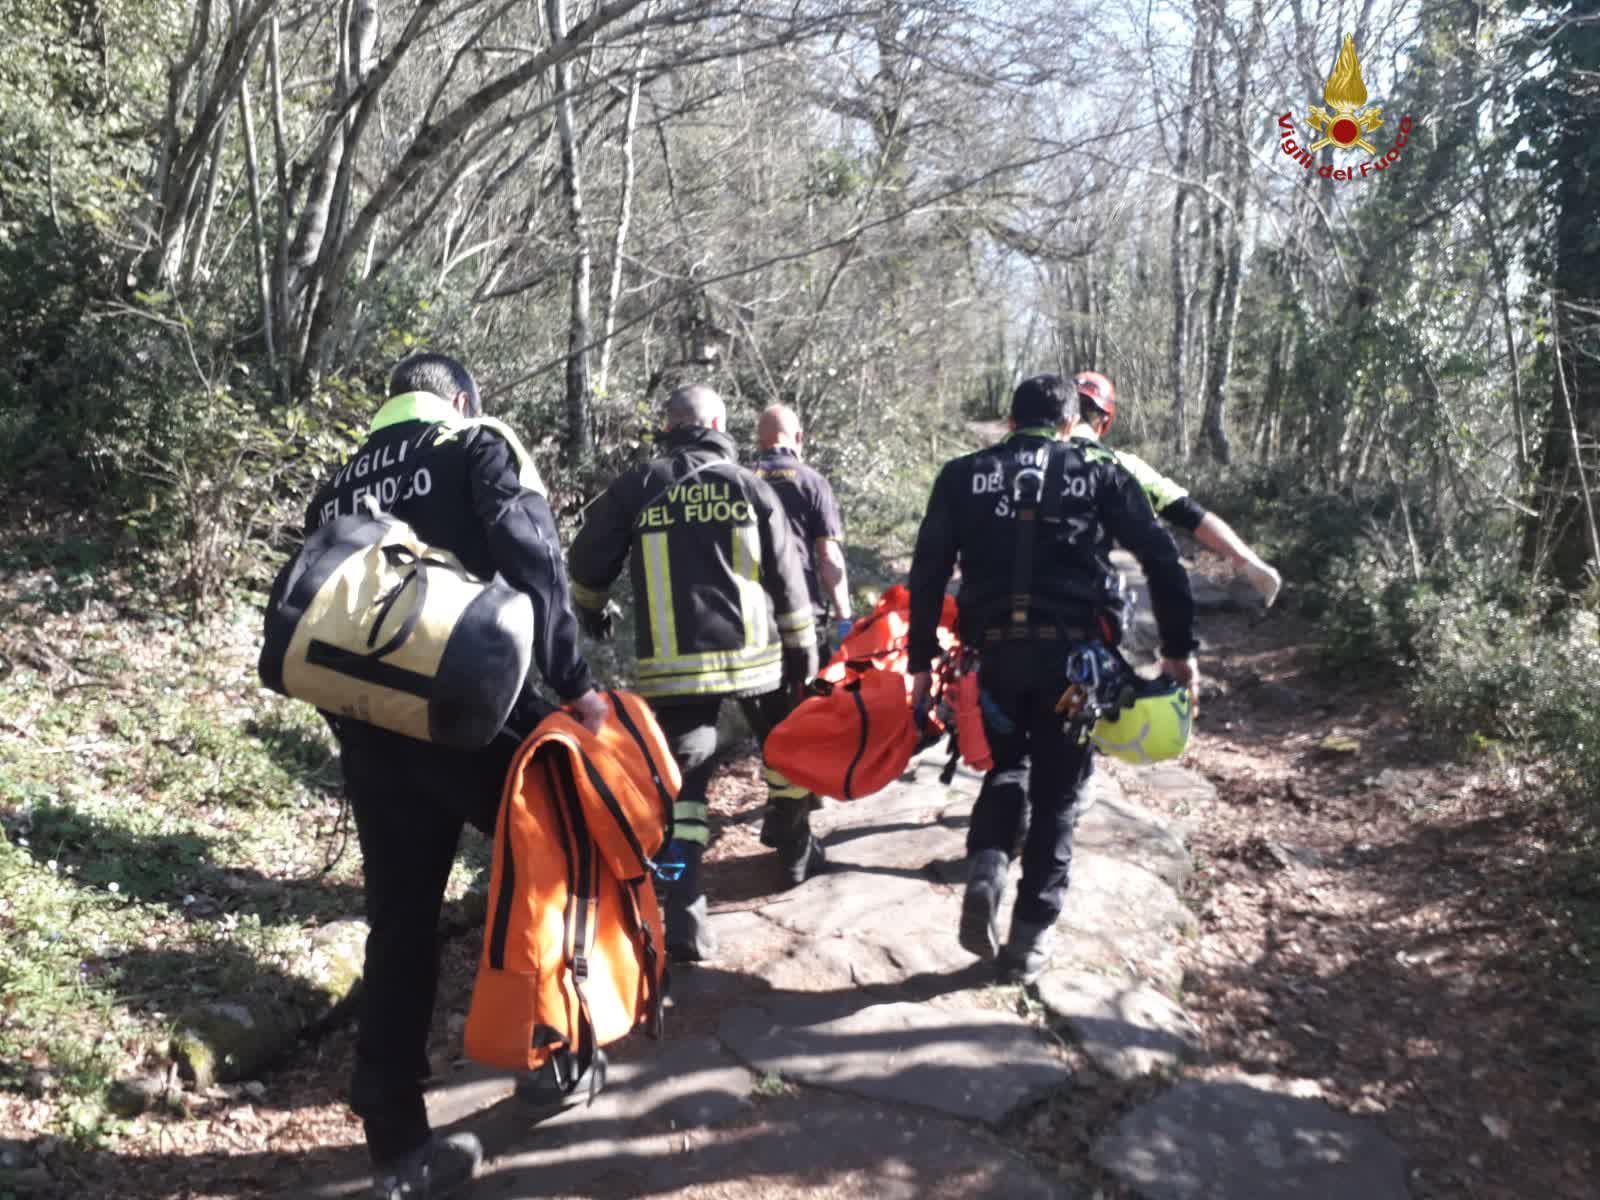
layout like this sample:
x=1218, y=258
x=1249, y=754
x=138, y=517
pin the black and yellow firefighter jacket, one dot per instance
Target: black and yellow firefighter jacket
x=708, y=546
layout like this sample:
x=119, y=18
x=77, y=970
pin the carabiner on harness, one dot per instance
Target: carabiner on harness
x=668, y=872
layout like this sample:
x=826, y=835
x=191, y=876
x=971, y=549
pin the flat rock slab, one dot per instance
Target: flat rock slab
x=841, y=901
x=791, y=1147
x=659, y=1089
x=897, y=850
x=1126, y=1028
x=1118, y=827
x=1243, y=1138
x=915, y=962
x=1120, y=919
x=976, y=1064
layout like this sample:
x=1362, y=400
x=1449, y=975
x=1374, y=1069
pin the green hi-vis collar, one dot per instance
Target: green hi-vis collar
x=1044, y=431
x=414, y=406
x=425, y=406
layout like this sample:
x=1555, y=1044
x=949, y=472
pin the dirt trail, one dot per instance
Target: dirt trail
x=1396, y=926
x=1390, y=927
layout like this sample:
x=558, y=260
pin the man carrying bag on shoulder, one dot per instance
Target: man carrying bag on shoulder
x=465, y=485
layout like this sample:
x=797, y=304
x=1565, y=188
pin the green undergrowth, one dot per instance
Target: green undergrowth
x=173, y=833
x=1436, y=610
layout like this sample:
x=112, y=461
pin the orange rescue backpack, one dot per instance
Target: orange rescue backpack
x=573, y=946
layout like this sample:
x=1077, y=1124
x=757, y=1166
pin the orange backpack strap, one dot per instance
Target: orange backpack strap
x=583, y=869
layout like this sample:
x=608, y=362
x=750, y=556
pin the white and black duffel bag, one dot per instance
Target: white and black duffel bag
x=369, y=623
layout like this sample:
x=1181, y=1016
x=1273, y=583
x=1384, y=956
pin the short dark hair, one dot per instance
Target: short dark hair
x=436, y=373
x=1088, y=409
x=1041, y=400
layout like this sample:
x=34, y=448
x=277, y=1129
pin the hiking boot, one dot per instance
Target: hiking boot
x=786, y=819
x=553, y=1085
x=980, y=907
x=689, y=935
x=801, y=859
x=438, y=1167
x=690, y=938
x=1027, y=951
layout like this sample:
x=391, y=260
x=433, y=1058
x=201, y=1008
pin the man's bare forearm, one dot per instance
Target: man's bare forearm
x=831, y=571
x=1216, y=534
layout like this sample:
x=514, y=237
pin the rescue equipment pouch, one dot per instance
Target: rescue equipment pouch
x=852, y=735
x=573, y=948
x=369, y=623
x=972, y=743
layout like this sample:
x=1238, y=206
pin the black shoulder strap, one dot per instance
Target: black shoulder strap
x=1036, y=495
x=1055, y=489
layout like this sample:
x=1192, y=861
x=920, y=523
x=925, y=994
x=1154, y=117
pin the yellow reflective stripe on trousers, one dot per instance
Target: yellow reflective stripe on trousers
x=747, y=576
x=658, y=595
x=800, y=619
x=689, y=822
x=586, y=597
x=797, y=628
x=779, y=788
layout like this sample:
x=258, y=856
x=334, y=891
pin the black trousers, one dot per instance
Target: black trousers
x=690, y=727
x=1035, y=764
x=410, y=801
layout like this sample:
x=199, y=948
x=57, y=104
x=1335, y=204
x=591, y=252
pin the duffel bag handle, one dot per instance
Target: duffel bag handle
x=398, y=556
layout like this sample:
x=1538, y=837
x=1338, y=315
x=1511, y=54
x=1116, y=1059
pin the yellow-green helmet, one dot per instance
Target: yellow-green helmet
x=1151, y=725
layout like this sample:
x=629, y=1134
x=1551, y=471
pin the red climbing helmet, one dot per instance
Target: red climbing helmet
x=1097, y=389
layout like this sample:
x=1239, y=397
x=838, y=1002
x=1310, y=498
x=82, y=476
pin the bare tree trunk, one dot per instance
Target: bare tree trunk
x=630, y=123
x=579, y=441
x=1178, y=351
x=200, y=220
x=1220, y=361
x=170, y=185
x=186, y=158
x=262, y=260
x=280, y=320
x=442, y=132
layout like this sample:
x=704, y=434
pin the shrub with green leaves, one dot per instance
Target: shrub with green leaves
x=1487, y=670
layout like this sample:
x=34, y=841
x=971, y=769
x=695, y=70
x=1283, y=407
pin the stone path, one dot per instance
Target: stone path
x=844, y=1044
x=844, y=1041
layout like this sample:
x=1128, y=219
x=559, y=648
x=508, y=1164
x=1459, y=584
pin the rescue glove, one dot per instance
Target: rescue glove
x=799, y=666
x=600, y=623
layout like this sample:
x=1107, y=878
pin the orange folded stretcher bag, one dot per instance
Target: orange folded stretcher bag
x=853, y=734
x=881, y=637
x=573, y=948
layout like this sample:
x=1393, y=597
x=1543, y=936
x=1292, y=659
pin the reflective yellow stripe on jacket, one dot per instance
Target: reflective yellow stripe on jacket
x=747, y=577
x=586, y=597
x=797, y=629
x=713, y=672
x=658, y=596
